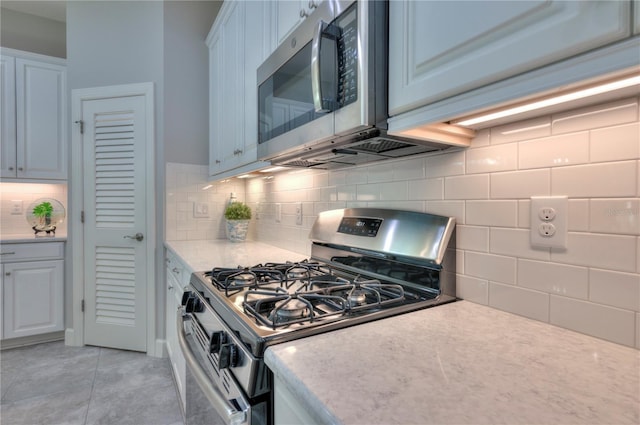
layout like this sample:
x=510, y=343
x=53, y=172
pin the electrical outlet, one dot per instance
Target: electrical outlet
x=278, y=213
x=299, y=213
x=200, y=210
x=16, y=207
x=549, y=221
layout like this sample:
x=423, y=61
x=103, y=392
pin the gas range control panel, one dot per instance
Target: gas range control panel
x=360, y=226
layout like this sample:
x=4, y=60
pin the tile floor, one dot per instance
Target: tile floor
x=51, y=383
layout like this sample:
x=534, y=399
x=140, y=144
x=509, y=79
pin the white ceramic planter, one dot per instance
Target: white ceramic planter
x=237, y=230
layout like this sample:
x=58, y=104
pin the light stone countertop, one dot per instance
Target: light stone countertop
x=30, y=237
x=460, y=363
x=205, y=254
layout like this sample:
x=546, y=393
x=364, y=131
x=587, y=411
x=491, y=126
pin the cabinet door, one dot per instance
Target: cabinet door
x=41, y=120
x=227, y=96
x=7, y=116
x=33, y=298
x=257, y=47
x=438, y=49
x=174, y=296
x=286, y=15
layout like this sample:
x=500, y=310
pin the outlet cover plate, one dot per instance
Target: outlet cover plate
x=549, y=221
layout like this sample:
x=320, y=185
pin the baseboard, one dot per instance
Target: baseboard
x=23, y=341
x=160, y=349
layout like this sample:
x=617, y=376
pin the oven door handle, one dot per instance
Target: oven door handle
x=232, y=416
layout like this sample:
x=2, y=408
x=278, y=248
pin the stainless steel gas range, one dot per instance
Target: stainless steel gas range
x=366, y=264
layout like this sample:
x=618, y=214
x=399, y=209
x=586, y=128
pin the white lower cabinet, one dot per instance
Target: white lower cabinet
x=287, y=409
x=176, y=277
x=32, y=289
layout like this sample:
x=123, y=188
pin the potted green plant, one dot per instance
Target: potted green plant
x=238, y=215
x=43, y=211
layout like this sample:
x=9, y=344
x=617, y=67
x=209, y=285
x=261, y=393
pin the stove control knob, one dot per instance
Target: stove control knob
x=193, y=305
x=185, y=296
x=228, y=356
x=217, y=339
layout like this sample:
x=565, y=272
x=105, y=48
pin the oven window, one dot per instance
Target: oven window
x=285, y=100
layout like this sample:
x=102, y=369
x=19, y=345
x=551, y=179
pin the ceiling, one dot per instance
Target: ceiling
x=56, y=10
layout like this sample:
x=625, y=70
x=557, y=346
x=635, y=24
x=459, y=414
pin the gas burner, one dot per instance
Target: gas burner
x=291, y=308
x=357, y=297
x=242, y=279
x=298, y=273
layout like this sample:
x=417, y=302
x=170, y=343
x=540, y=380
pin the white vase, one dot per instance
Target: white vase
x=237, y=230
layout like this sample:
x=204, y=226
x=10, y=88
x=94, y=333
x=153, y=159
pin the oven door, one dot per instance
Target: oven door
x=205, y=403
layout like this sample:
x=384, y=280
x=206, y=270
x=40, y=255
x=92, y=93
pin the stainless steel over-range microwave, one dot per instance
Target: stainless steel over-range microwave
x=322, y=94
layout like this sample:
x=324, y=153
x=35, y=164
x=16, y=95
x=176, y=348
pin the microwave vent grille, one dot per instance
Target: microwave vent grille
x=380, y=145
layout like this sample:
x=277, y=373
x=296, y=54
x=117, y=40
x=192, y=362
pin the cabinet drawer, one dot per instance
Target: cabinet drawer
x=12, y=252
x=175, y=268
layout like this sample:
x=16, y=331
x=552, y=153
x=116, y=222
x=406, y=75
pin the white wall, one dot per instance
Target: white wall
x=590, y=155
x=186, y=74
x=32, y=33
x=123, y=42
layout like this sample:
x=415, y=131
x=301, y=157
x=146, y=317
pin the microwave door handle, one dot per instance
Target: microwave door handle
x=316, y=85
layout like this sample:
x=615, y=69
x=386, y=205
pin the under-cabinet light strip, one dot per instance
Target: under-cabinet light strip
x=568, y=97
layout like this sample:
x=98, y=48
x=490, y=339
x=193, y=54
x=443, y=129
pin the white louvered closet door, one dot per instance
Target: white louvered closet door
x=114, y=199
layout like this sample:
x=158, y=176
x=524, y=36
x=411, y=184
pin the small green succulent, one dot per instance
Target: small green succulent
x=237, y=211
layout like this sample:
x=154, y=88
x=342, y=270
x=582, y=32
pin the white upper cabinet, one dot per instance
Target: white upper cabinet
x=33, y=117
x=438, y=49
x=287, y=15
x=238, y=43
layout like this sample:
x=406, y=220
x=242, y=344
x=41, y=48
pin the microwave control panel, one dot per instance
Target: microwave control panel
x=348, y=57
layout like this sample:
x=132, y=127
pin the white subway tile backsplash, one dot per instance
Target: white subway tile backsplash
x=491, y=267
x=492, y=158
x=408, y=169
x=515, y=243
x=472, y=238
x=612, y=252
x=426, y=189
x=610, y=323
x=553, y=278
x=356, y=175
x=524, y=213
x=613, y=179
x=520, y=184
x=482, y=138
x=578, y=218
x=446, y=164
x=380, y=172
x=525, y=302
x=620, y=216
x=447, y=208
x=521, y=130
x=467, y=187
x=554, y=151
x=615, y=143
x=592, y=117
x=472, y=289
x=487, y=188
x=638, y=330
x=394, y=191
x=615, y=289
x=492, y=213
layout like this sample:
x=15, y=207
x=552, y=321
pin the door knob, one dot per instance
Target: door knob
x=137, y=236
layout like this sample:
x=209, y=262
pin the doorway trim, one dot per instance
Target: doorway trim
x=75, y=249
